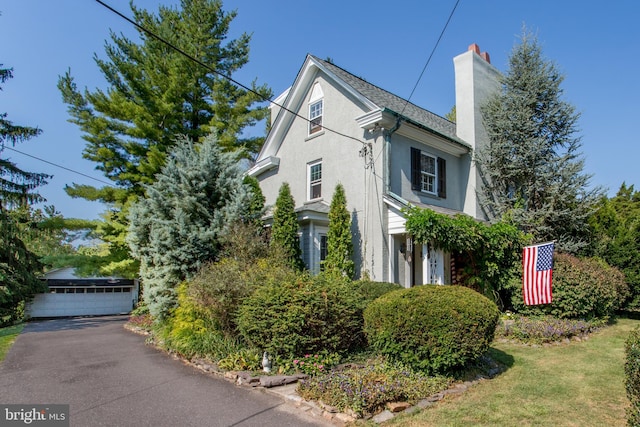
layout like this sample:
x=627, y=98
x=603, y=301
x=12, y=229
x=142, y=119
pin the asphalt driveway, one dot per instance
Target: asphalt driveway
x=109, y=377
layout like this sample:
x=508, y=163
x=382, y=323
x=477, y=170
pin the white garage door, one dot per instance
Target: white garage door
x=80, y=304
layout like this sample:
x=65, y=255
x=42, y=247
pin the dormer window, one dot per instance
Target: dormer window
x=316, y=109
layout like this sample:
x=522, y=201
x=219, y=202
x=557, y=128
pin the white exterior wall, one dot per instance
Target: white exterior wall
x=476, y=80
x=341, y=163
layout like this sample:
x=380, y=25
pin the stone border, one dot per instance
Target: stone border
x=285, y=387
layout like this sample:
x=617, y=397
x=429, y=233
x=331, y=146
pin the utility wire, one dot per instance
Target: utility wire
x=57, y=165
x=213, y=70
x=431, y=55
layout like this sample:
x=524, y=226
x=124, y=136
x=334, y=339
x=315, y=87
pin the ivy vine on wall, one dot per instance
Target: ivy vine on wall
x=489, y=254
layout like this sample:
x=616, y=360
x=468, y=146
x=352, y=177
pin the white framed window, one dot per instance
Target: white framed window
x=314, y=179
x=315, y=116
x=428, y=173
x=316, y=109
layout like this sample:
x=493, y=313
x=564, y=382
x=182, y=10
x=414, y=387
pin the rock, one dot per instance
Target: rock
x=345, y=418
x=397, y=406
x=277, y=380
x=382, y=417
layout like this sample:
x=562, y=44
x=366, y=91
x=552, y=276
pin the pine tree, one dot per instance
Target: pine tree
x=19, y=267
x=154, y=94
x=177, y=227
x=284, y=232
x=339, y=244
x=532, y=170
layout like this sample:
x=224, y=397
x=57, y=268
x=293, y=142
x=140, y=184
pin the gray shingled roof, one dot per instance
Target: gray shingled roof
x=389, y=101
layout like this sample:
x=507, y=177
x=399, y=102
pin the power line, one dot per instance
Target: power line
x=57, y=165
x=213, y=70
x=431, y=55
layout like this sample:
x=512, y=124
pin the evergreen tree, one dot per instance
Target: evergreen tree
x=339, y=244
x=532, y=170
x=256, y=206
x=154, y=94
x=19, y=267
x=177, y=227
x=616, y=236
x=284, y=232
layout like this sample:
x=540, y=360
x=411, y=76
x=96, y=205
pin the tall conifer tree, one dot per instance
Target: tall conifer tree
x=178, y=226
x=19, y=267
x=532, y=169
x=339, y=244
x=155, y=94
x=284, y=232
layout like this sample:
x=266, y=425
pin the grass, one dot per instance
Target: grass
x=577, y=384
x=7, y=336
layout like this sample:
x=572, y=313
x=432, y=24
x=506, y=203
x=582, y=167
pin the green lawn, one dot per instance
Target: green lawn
x=7, y=337
x=577, y=384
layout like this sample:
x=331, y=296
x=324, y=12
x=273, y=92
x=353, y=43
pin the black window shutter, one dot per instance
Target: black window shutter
x=442, y=178
x=415, y=169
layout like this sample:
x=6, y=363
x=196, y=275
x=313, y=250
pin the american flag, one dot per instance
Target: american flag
x=537, y=262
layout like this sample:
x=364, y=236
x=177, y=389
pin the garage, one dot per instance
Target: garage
x=72, y=295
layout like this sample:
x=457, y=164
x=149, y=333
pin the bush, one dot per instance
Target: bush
x=431, y=328
x=545, y=329
x=219, y=288
x=370, y=290
x=302, y=315
x=632, y=376
x=366, y=390
x=191, y=332
x=583, y=288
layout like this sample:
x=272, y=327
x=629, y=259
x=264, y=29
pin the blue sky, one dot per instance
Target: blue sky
x=595, y=44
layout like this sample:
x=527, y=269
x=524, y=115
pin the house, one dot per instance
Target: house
x=387, y=153
x=72, y=295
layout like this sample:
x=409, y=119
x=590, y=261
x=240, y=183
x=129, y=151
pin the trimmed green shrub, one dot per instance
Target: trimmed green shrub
x=370, y=290
x=300, y=315
x=431, y=328
x=632, y=376
x=583, y=288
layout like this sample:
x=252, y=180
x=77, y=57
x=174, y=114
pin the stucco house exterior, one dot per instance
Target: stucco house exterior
x=387, y=153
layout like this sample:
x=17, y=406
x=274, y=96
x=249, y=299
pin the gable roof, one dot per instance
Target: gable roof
x=393, y=103
x=373, y=97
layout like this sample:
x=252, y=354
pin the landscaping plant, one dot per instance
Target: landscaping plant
x=302, y=314
x=431, y=328
x=366, y=390
x=583, y=288
x=632, y=376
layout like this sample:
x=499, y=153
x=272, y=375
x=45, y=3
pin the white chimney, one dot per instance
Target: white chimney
x=476, y=81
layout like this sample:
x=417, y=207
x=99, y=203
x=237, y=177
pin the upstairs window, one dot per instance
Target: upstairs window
x=428, y=173
x=315, y=180
x=316, y=109
x=315, y=117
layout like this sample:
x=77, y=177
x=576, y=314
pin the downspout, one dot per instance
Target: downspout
x=387, y=187
x=387, y=156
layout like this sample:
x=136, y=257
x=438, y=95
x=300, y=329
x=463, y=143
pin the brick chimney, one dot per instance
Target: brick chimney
x=476, y=79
